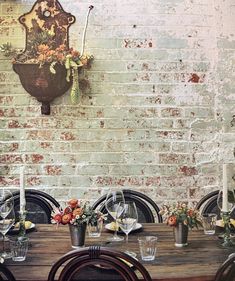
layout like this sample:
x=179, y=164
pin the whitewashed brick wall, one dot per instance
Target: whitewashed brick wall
x=160, y=115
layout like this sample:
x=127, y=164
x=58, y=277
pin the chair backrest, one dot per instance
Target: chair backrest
x=226, y=271
x=5, y=273
x=147, y=209
x=105, y=260
x=208, y=204
x=39, y=205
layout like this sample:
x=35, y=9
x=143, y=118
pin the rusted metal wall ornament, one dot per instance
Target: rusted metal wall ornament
x=49, y=22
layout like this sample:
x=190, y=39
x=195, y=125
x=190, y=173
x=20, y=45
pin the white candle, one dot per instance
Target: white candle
x=22, y=191
x=225, y=190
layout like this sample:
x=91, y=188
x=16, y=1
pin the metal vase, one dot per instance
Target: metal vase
x=77, y=235
x=181, y=235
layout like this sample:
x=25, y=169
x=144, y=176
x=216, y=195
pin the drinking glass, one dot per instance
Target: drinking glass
x=231, y=199
x=128, y=218
x=127, y=221
x=209, y=223
x=6, y=197
x=7, y=220
x=114, y=205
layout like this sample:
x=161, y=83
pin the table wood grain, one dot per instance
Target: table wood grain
x=198, y=261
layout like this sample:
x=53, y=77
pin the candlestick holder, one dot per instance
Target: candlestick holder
x=227, y=241
x=22, y=218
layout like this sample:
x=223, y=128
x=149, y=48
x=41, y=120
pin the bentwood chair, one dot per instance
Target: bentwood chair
x=208, y=204
x=5, y=274
x=226, y=272
x=109, y=264
x=148, y=210
x=39, y=205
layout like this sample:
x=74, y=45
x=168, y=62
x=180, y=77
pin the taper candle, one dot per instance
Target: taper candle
x=225, y=190
x=22, y=191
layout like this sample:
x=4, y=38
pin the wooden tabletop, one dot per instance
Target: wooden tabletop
x=198, y=261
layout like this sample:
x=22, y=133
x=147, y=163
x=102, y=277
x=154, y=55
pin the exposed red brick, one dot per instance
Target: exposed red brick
x=53, y=170
x=14, y=146
x=6, y=100
x=9, y=158
x=174, y=112
x=32, y=181
x=153, y=181
x=36, y=158
x=188, y=171
x=137, y=43
x=67, y=136
x=8, y=181
x=14, y=124
x=8, y=112
x=196, y=79
x=46, y=144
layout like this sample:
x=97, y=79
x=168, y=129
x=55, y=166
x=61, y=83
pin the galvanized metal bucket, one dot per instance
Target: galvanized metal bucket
x=77, y=235
x=181, y=235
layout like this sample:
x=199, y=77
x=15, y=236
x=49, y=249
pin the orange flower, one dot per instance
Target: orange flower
x=61, y=48
x=66, y=218
x=73, y=203
x=172, y=221
x=77, y=212
x=43, y=48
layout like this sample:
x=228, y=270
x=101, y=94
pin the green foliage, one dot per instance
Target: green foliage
x=7, y=49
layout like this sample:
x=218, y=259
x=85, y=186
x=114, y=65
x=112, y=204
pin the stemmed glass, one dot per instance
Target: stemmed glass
x=231, y=200
x=7, y=220
x=114, y=205
x=127, y=221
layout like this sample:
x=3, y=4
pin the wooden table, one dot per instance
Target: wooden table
x=198, y=261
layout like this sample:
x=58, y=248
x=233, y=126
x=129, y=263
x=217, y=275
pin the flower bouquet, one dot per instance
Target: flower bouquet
x=181, y=213
x=75, y=213
x=181, y=217
x=78, y=215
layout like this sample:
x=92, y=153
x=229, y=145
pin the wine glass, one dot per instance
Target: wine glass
x=127, y=221
x=7, y=220
x=114, y=205
x=230, y=200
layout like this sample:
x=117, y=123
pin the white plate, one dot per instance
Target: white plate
x=137, y=227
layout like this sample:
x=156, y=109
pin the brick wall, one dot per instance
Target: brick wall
x=160, y=114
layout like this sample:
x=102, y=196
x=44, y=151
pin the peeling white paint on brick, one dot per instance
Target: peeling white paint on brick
x=158, y=115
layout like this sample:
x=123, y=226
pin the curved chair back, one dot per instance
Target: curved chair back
x=226, y=272
x=208, y=204
x=39, y=205
x=5, y=273
x=104, y=259
x=148, y=211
